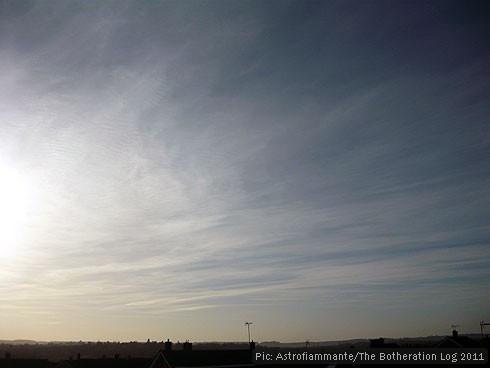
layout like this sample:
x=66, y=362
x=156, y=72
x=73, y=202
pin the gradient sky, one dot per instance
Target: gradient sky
x=172, y=169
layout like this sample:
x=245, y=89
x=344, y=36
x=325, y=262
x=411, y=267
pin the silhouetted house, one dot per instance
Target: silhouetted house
x=485, y=342
x=380, y=343
x=456, y=341
x=106, y=363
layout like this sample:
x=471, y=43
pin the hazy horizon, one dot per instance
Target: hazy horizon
x=172, y=169
x=178, y=343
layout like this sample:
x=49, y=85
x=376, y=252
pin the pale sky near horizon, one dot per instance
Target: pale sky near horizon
x=171, y=169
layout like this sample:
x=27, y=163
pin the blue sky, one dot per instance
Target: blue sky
x=173, y=169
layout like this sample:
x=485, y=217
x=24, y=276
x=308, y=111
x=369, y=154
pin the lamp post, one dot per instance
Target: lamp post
x=248, y=328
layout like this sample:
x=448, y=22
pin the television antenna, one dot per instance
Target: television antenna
x=248, y=328
x=482, y=327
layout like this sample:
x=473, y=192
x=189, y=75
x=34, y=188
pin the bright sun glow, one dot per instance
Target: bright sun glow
x=15, y=195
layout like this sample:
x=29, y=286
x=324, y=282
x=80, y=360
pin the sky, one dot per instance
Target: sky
x=172, y=169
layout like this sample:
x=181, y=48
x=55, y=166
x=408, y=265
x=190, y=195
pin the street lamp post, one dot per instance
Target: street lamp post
x=248, y=328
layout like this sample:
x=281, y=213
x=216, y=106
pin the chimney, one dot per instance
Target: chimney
x=168, y=345
x=455, y=333
x=252, y=345
x=187, y=346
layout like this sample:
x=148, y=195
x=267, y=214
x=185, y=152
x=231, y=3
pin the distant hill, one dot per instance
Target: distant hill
x=277, y=344
x=398, y=340
x=19, y=342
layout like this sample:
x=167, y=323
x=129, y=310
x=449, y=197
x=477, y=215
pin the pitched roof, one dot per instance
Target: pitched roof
x=457, y=342
x=160, y=361
x=203, y=358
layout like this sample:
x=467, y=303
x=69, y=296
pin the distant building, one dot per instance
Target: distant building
x=380, y=343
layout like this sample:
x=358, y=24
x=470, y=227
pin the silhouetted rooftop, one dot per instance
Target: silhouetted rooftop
x=106, y=363
x=25, y=363
x=198, y=358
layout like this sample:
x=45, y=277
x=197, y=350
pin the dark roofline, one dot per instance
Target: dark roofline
x=160, y=353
